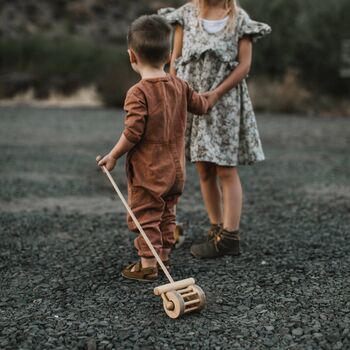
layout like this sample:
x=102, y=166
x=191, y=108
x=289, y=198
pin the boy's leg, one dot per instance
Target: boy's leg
x=148, y=209
x=179, y=233
x=167, y=226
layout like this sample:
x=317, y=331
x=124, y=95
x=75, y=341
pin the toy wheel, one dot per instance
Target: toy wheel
x=174, y=306
x=201, y=296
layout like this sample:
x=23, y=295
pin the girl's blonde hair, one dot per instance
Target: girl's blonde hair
x=230, y=5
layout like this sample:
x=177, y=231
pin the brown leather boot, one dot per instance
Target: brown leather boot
x=224, y=243
x=213, y=231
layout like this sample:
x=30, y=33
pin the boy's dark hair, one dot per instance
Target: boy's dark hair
x=149, y=37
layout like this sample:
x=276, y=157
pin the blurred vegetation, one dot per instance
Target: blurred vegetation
x=64, y=64
x=307, y=37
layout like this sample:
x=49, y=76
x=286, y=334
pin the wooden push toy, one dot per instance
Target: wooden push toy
x=179, y=297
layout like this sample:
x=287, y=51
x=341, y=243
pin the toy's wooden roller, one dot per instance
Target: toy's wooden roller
x=179, y=297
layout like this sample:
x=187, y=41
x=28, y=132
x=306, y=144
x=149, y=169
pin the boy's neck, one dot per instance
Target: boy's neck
x=148, y=72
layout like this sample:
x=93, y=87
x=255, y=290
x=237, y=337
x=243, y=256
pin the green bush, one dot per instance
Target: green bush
x=66, y=64
x=307, y=36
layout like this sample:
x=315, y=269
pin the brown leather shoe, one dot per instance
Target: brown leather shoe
x=144, y=274
x=224, y=243
x=167, y=265
x=213, y=231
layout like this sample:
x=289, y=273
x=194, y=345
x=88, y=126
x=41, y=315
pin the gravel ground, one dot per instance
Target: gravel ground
x=64, y=241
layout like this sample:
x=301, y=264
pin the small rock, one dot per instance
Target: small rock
x=338, y=345
x=269, y=342
x=298, y=332
x=91, y=344
x=288, y=337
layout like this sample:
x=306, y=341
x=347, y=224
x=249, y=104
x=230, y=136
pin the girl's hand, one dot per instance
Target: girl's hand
x=108, y=161
x=212, y=97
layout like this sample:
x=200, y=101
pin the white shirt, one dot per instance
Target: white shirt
x=214, y=25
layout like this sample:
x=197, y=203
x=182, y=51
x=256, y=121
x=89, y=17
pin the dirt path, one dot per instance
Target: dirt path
x=64, y=239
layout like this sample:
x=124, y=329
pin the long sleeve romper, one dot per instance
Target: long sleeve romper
x=155, y=121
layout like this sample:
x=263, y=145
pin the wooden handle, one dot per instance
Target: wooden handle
x=160, y=262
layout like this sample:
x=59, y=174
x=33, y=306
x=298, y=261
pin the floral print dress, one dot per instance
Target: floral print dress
x=228, y=135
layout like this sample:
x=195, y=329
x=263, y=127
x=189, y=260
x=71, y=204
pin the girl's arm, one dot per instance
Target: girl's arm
x=245, y=49
x=177, y=48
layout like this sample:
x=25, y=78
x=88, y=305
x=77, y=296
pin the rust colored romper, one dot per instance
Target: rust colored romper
x=156, y=115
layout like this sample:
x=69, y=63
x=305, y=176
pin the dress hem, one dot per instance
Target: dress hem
x=235, y=164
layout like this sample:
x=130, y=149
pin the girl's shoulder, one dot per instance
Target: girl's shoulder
x=181, y=15
x=241, y=12
x=245, y=26
x=242, y=16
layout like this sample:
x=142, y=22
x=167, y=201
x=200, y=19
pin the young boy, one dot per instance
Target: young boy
x=156, y=113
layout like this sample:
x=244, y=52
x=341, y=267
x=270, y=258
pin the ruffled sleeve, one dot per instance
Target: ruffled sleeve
x=172, y=15
x=246, y=26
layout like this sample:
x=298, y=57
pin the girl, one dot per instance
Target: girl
x=212, y=50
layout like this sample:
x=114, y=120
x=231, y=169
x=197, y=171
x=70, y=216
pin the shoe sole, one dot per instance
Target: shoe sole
x=138, y=279
x=213, y=257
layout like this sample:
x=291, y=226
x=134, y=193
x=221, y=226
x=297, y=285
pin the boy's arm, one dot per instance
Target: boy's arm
x=196, y=103
x=122, y=146
x=135, y=119
x=135, y=122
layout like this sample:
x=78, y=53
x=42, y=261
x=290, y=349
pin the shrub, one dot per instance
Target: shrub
x=65, y=64
x=307, y=36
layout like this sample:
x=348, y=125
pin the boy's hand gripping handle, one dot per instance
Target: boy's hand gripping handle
x=159, y=260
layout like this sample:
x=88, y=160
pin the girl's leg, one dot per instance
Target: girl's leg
x=227, y=241
x=210, y=191
x=232, y=196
